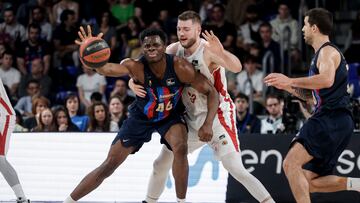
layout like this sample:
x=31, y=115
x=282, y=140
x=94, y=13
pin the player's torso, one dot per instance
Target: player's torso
x=195, y=102
x=163, y=95
x=335, y=96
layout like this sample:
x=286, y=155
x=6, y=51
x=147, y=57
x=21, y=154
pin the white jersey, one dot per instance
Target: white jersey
x=7, y=120
x=224, y=126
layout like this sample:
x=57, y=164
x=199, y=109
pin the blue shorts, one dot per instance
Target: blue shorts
x=137, y=129
x=325, y=136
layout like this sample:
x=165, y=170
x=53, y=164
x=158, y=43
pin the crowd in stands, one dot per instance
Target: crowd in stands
x=51, y=91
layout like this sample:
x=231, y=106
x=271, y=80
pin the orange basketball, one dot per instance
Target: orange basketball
x=94, y=52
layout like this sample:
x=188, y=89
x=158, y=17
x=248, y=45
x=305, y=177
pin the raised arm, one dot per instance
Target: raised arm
x=215, y=53
x=187, y=74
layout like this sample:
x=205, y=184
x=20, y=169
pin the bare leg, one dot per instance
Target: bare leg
x=177, y=139
x=292, y=165
x=116, y=156
x=330, y=183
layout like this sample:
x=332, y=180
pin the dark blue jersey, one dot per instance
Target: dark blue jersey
x=336, y=96
x=162, y=95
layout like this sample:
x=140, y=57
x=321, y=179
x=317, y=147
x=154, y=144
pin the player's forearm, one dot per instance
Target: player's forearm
x=301, y=93
x=312, y=82
x=112, y=70
x=229, y=62
x=212, y=105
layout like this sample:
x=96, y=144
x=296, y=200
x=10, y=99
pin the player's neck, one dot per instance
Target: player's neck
x=319, y=42
x=158, y=68
x=189, y=51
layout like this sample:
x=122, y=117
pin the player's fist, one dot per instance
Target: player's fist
x=205, y=133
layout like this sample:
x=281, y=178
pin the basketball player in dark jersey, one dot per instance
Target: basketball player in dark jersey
x=314, y=152
x=163, y=76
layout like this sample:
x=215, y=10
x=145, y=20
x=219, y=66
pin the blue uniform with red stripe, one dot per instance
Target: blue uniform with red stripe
x=327, y=132
x=158, y=111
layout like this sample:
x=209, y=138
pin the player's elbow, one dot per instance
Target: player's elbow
x=328, y=82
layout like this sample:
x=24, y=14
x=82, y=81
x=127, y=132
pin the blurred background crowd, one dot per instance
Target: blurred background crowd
x=51, y=91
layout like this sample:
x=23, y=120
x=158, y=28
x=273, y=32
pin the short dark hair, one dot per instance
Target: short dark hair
x=96, y=96
x=190, y=15
x=8, y=52
x=322, y=18
x=34, y=25
x=242, y=96
x=265, y=24
x=64, y=15
x=250, y=59
x=273, y=96
x=153, y=32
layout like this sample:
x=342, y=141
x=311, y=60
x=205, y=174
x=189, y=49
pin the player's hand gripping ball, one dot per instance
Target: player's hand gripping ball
x=94, y=52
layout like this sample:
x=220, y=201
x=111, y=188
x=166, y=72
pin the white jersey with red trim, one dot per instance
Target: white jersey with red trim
x=224, y=126
x=7, y=120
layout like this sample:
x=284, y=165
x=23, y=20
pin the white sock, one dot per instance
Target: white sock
x=353, y=184
x=180, y=200
x=69, y=200
x=150, y=200
x=18, y=191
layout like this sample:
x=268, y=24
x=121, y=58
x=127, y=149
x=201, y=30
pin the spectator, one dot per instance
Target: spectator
x=250, y=79
x=236, y=11
x=15, y=32
x=38, y=17
x=106, y=24
x=46, y=122
x=63, y=5
x=100, y=119
x=65, y=35
x=86, y=88
x=8, y=74
x=38, y=105
x=225, y=31
x=272, y=123
x=96, y=97
x=37, y=73
x=117, y=110
x=24, y=104
x=250, y=29
x=121, y=89
x=3, y=6
x=283, y=20
x=32, y=48
x=123, y=11
x=73, y=107
x=63, y=121
x=268, y=44
x=130, y=38
x=245, y=122
x=19, y=123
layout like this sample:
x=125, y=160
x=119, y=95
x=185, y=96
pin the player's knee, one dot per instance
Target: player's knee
x=289, y=165
x=180, y=149
x=109, y=166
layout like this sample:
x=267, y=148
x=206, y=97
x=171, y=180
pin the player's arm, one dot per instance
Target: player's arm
x=172, y=48
x=187, y=74
x=328, y=61
x=215, y=53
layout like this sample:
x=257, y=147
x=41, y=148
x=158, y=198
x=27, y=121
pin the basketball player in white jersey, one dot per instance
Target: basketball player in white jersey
x=7, y=125
x=209, y=57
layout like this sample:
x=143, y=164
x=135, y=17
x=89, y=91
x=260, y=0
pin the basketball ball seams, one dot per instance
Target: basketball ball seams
x=94, y=52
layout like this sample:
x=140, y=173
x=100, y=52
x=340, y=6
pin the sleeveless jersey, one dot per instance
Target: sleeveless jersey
x=195, y=102
x=336, y=96
x=5, y=106
x=162, y=95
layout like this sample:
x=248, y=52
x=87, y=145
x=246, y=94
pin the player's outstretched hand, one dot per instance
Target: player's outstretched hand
x=278, y=80
x=205, y=133
x=137, y=89
x=213, y=42
x=83, y=35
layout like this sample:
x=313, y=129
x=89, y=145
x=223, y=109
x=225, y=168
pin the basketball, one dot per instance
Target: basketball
x=94, y=52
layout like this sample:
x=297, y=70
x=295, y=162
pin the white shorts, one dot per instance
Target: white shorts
x=7, y=125
x=224, y=138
